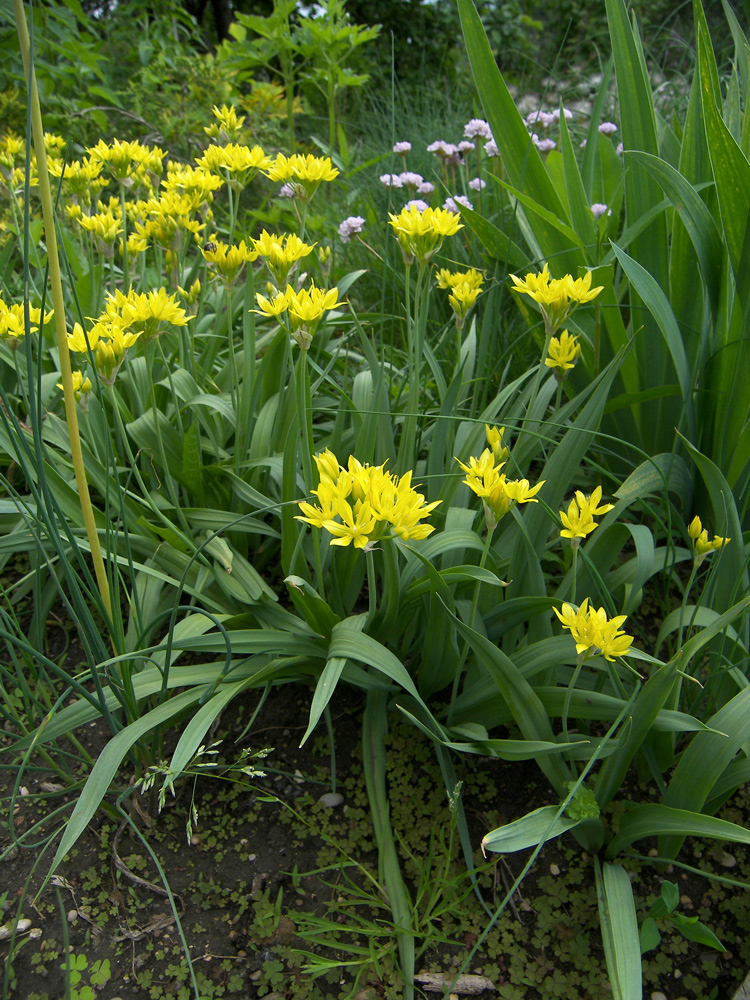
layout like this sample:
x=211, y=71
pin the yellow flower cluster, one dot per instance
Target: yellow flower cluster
x=82, y=179
x=495, y=439
x=165, y=220
x=130, y=162
x=464, y=287
x=12, y=328
x=227, y=126
x=239, y=163
x=281, y=253
x=702, y=545
x=147, y=314
x=108, y=341
x=304, y=308
x=496, y=492
x=304, y=173
x=563, y=353
x=81, y=388
x=105, y=227
x=557, y=297
x=227, y=261
x=362, y=504
x=592, y=630
x=421, y=234
x=579, y=521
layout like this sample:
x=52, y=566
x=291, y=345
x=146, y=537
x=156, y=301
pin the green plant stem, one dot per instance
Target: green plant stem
x=569, y=694
x=125, y=263
x=474, y=604
x=58, y=302
x=304, y=416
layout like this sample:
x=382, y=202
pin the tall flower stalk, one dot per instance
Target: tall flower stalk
x=58, y=302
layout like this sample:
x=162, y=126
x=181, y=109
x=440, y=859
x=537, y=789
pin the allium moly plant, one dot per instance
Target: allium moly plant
x=247, y=473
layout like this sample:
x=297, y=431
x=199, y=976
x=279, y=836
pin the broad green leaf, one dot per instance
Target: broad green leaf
x=534, y=828
x=656, y=302
x=656, y=820
x=619, y=924
x=523, y=164
x=695, y=216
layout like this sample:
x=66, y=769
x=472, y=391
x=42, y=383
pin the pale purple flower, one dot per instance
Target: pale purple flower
x=491, y=149
x=598, y=209
x=465, y=146
x=391, y=180
x=421, y=206
x=411, y=179
x=545, y=145
x=442, y=148
x=583, y=144
x=287, y=191
x=477, y=128
x=607, y=128
x=567, y=113
x=477, y=184
x=620, y=148
x=542, y=118
x=451, y=204
x=350, y=226
x=426, y=187
x=402, y=148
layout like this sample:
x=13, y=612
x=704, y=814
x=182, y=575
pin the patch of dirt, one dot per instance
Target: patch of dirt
x=270, y=884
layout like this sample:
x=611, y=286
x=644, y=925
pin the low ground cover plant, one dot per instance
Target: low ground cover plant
x=240, y=461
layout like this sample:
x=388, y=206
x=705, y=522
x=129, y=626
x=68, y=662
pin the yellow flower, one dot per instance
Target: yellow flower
x=239, y=163
x=105, y=228
x=274, y=306
x=227, y=261
x=81, y=386
x=227, y=126
x=421, y=234
x=702, y=546
x=129, y=162
x=563, y=353
x=495, y=437
x=306, y=308
x=281, y=253
x=361, y=504
x=189, y=180
x=579, y=289
x=304, y=173
x=555, y=296
x=579, y=520
x=484, y=478
x=464, y=288
x=144, y=313
x=592, y=630
x=451, y=279
x=108, y=341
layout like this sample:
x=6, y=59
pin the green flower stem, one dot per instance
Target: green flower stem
x=304, y=416
x=58, y=302
x=415, y=333
x=374, y=731
x=474, y=605
x=575, y=544
x=232, y=361
x=372, y=590
x=569, y=694
x=243, y=432
x=125, y=263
